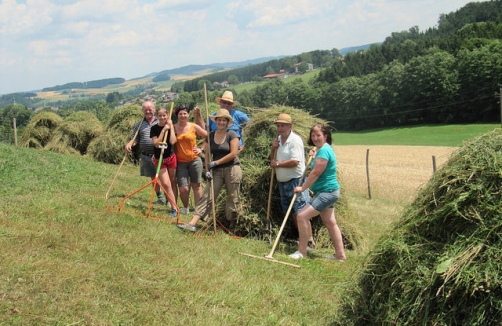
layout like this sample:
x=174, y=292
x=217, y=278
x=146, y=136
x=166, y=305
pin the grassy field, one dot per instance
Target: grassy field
x=70, y=258
x=446, y=135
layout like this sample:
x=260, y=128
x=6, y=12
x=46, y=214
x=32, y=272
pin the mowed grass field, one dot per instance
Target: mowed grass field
x=70, y=258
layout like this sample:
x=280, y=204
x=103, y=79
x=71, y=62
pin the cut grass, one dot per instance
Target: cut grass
x=67, y=259
x=68, y=256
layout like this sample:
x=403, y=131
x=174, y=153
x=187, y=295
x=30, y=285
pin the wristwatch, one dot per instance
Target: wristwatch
x=277, y=163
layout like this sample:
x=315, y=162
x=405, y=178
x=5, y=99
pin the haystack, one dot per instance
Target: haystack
x=75, y=133
x=39, y=130
x=441, y=262
x=109, y=147
x=258, y=136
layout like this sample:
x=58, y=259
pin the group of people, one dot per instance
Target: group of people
x=181, y=167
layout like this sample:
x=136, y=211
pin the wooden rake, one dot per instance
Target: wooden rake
x=123, y=160
x=270, y=256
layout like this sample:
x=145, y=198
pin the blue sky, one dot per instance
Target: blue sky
x=47, y=42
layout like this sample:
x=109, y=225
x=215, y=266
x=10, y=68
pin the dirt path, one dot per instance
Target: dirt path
x=396, y=172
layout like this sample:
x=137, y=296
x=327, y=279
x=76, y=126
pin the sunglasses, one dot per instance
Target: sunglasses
x=225, y=102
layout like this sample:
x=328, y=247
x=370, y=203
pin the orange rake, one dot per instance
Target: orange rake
x=155, y=181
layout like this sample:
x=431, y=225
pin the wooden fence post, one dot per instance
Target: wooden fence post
x=15, y=130
x=368, y=172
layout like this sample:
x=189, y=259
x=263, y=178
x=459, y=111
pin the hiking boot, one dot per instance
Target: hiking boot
x=185, y=210
x=187, y=226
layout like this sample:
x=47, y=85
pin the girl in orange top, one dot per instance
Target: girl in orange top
x=189, y=170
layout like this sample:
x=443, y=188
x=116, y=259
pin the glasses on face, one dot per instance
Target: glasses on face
x=225, y=102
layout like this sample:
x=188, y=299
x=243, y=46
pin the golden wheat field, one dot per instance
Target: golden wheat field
x=395, y=172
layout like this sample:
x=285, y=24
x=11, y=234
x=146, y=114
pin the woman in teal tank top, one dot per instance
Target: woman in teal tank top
x=323, y=182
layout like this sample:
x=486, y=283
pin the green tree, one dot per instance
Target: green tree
x=233, y=80
x=113, y=97
x=17, y=111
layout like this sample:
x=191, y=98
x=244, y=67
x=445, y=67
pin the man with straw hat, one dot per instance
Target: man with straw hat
x=226, y=101
x=289, y=165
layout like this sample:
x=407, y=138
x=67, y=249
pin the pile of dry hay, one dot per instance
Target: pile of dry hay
x=441, y=263
x=75, y=133
x=39, y=130
x=109, y=146
x=258, y=136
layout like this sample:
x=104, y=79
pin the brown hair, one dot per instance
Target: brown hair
x=324, y=129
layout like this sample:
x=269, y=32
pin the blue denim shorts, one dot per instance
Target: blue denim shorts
x=323, y=200
x=287, y=190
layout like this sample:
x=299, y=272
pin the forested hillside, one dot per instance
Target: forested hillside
x=446, y=74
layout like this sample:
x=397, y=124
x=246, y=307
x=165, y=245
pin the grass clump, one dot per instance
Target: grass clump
x=75, y=133
x=109, y=147
x=39, y=130
x=440, y=264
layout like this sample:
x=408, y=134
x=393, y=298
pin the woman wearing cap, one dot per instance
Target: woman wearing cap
x=324, y=184
x=226, y=101
x=225, y=171
x=189, y=170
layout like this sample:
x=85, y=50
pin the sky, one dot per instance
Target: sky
x=44, y=43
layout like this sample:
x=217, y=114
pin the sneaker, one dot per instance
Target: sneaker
x=187, y=226
x=296, y=255
x=185, y=210
x=310, y=245
x=174, y=213
x=332, y=257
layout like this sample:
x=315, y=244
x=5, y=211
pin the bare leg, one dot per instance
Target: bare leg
x=304, y=227
x=197, y=193
x=329, y=220
x=184, y=195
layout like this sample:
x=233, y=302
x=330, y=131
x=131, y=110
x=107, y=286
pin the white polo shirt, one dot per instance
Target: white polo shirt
x=292, y=149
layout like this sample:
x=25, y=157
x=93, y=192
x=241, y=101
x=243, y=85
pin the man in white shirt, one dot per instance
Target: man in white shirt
x=289, y=165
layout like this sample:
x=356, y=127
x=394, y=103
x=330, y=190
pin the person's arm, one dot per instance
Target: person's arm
x=199, y=131
x=319, y=167
x=198, y=118
x=136, y=135
x=172, y=134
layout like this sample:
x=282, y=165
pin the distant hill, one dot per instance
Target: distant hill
x=344, y=51
x=189, y=70
x=213, y=67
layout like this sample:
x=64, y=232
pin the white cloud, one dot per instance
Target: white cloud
x=49, y=42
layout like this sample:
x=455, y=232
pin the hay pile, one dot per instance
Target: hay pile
x=109, y=147
x=258, y=136
x=75, y=133
x=441, y=263
x=39, y=130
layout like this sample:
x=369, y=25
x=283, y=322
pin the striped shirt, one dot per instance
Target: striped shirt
x=143, y=138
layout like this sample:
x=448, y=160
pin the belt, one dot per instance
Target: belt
x=146, y=154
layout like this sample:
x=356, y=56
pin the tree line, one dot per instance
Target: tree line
x=446, y=74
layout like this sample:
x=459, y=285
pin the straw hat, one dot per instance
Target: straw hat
x=222, y=113
x=284, y=118
x=227, y=96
